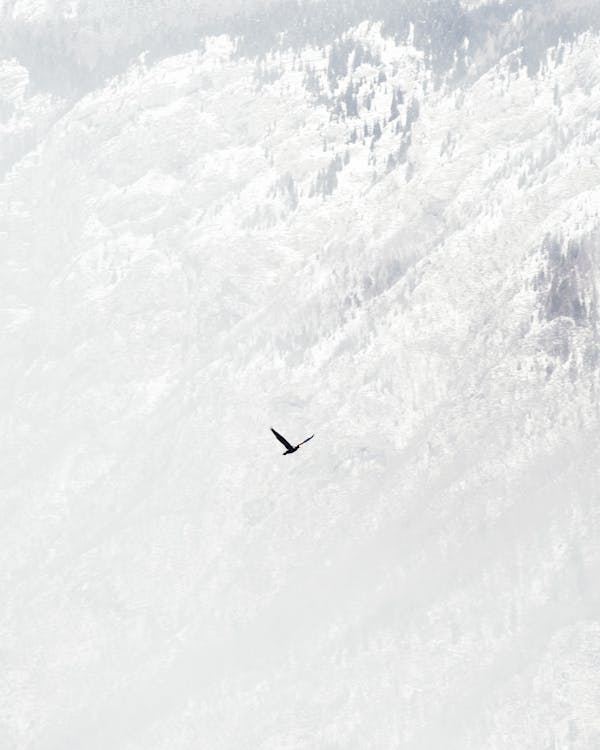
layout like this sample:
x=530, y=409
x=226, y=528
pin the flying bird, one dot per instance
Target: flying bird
x=289, y=446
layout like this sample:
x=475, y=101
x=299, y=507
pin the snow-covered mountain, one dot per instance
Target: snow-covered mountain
x=375, y=221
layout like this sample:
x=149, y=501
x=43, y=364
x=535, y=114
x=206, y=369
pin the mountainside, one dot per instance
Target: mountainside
x=378, y=222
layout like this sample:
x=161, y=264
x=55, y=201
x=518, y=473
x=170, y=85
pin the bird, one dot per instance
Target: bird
x=289, y=446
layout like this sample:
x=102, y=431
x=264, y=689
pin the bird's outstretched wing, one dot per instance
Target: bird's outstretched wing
x=282, y=440
x=306, y=441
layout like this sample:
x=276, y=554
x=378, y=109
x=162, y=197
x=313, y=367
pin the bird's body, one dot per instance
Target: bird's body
x=289, y=447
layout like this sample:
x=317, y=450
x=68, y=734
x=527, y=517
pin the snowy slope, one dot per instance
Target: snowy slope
x=390, y=244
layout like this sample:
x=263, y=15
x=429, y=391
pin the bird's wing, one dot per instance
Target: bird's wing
x=282, y=439
x=306, y=441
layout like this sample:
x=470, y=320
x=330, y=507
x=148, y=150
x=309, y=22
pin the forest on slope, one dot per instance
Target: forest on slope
x=378, y=222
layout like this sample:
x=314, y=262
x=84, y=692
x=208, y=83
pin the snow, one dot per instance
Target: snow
x=202, y=246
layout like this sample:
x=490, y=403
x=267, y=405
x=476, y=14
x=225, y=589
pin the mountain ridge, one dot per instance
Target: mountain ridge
x=342, y=239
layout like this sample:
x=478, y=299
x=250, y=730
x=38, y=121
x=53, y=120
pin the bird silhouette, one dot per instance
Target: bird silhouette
x=289, y=446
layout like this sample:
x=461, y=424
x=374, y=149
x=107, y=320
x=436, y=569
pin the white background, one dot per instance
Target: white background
x=178, y=275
